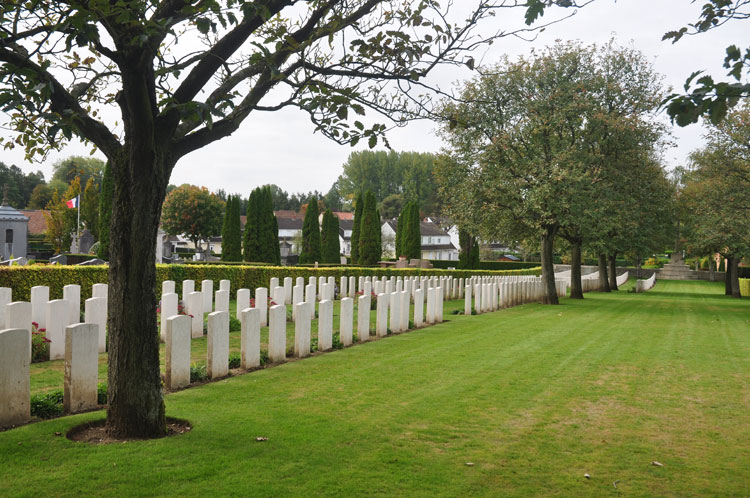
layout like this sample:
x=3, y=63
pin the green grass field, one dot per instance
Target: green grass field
x=534, y=397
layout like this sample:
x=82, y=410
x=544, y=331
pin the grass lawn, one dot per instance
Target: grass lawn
x=533, y=397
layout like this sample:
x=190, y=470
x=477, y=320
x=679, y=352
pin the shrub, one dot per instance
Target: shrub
x=263, y=357
x=198, y=373
x=39, y=344
x=47, y=405
x=101, y=393
x=234, y=324
x=235, y=360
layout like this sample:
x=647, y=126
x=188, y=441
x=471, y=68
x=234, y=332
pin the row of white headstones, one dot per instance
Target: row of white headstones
x=81, y=342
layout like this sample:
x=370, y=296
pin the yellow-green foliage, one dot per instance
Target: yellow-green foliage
x=22, y=279
x=745, y=287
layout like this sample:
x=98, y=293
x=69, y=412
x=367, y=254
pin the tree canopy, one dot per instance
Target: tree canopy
x=193, y=212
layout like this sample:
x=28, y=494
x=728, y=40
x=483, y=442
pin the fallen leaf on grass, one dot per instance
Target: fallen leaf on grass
x=587, y=476
x=469, y=464
x=261, y=439
x=657, y=464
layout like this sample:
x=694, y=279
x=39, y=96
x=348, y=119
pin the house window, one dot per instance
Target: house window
x=9, y=236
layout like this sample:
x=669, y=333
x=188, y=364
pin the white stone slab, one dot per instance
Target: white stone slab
x=418, y=308
x=288, y=290
x=188, y=287
x=261, y=302
x=439, y=302
x=394, y=308
x=207, y=289
x=169, y=308
x=39, y=300
x=57, y=320
x=344, y=287
x=381, y=324
x=325, y=325
x=363, y=317
x=96, y=314
x=72, y=294
x=243, y=301
x=168, y=287
x=250, y=338
x=404, y=311
x=195, y=302
x=81, y=367
x=274, y=283
x=310, y=298
x=6, y=297
x=277, y=295
x=298, y=296
x=222, y=300
x=15, y=381
x=225, y=285
x=177, y=352
x=352, y=287
x=100, y=290
x=277, y=333
x=430, y=305
x=346, y=318
x=302, y=331
x=217, y=356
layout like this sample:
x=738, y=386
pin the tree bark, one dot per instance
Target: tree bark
x=711, y=272
x=733, y=275
x=576, y=287
x=727, y=276
x=603, y=280
x=548, y=267
x=141, y=172
x=613, y=271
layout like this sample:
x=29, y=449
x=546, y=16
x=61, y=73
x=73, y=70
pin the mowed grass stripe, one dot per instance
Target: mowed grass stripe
x=533, y=396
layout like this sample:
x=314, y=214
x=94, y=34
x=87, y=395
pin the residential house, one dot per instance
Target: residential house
x=436, y=242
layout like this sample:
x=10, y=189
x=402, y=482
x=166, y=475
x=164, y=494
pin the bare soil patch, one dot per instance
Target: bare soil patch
x=96, y=433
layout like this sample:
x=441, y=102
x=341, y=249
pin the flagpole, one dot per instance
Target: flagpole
x=78, y=226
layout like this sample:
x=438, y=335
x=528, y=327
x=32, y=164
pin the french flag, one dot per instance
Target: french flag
x=73, y=203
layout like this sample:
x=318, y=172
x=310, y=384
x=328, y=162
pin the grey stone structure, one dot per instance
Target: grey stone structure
x=14, y=229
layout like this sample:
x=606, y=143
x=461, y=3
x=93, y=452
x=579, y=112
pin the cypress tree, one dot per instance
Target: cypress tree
x=310, y=252
x=378, y=230
x=252, y=248
x=369, y=240
x=277, y=256
x=413, y=237
x=105, y=213
x=358, y=206
x=231, y=249
x=401, y=230
x=268, y=239
x=329, y=238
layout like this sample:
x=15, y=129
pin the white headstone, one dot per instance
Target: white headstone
x=418, y=308
x=363, y=317
x=195, y=302
x=274, y=283
x=344, y=287
x=15, y=382
x=96, y=314
x=325, y=325
x=310, y=298
x=381, y=325
x=207, y=289
x=298, y=296
x=39, y=300
x=352, y=287
x=167, y=287
x=99, y=290
x=277, y=295
x=288, y=290
x=225, y=285
x=6, y=297
x=277, y=333
x=243, y=301
x=177, y=352
x=395, y=311
x=217, y=360
x=222, y=300
x=188, y=287
x=250, y=338
x=404, y=311
x=346, y=317
x=72, y=294
x=57, y=318
x=261, y=302
x=81, y=367
x=302, y=331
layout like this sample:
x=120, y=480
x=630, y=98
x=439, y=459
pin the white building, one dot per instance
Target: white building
x=436, y=242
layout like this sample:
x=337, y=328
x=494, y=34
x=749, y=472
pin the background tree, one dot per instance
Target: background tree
x=193, y=212
x=231, y=243
x=40, y=196
x=68, y=169
x=71, y=214
x=174, y=99
x=20, y=185
x=401, y=231
x=268, y=232
x=105, y=213
x=55, y=218
x=310, y=252
x=412, y=241
x=251, y=245
x=357, y=222
x=329, y=238
x=90, y=208
x=370, y=248
x=468, y=257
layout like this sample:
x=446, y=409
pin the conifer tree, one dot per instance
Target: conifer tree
x=268, y=240
x=277, y=256
x=378, y=231
x=251, y=246
x=412, y=243
x=358, y=206
x=231, y=244
x=401, y=230
x=329, y=238
x=310, y=252
x=369, y=232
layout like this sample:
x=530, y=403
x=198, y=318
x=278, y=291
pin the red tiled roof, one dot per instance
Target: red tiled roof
x=37, y=221
x=288, y=213
x=344, y=216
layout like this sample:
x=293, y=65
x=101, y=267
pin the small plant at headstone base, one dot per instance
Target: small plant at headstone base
x=101, y=393
x=47, y=405
x=235, y=360
x=336, y=343
x=411, y=324
x=313, y=344
x=39, y=344
x=456, y=312
x=198, y=373
x=234, y=324
x=263, y=357
x=388, y=332
x=473, y=312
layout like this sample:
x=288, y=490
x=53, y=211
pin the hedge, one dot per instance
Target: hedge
x=22, y=278
x=743, y=271
x=487, y=265
x=745, y=287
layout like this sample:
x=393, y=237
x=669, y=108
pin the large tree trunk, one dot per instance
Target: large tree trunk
x=603, y=280
x=548, y=266
x=576, y=287
x=733, y=274
x=613, y=271
x=711, y=273
x=140, y=172
x=727, y=276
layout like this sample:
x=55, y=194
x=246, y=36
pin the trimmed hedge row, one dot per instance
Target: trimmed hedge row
x=745, y=287
x=22, y=279
x=487, y=265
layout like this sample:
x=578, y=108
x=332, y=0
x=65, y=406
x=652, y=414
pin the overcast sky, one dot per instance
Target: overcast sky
x=281, y=147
